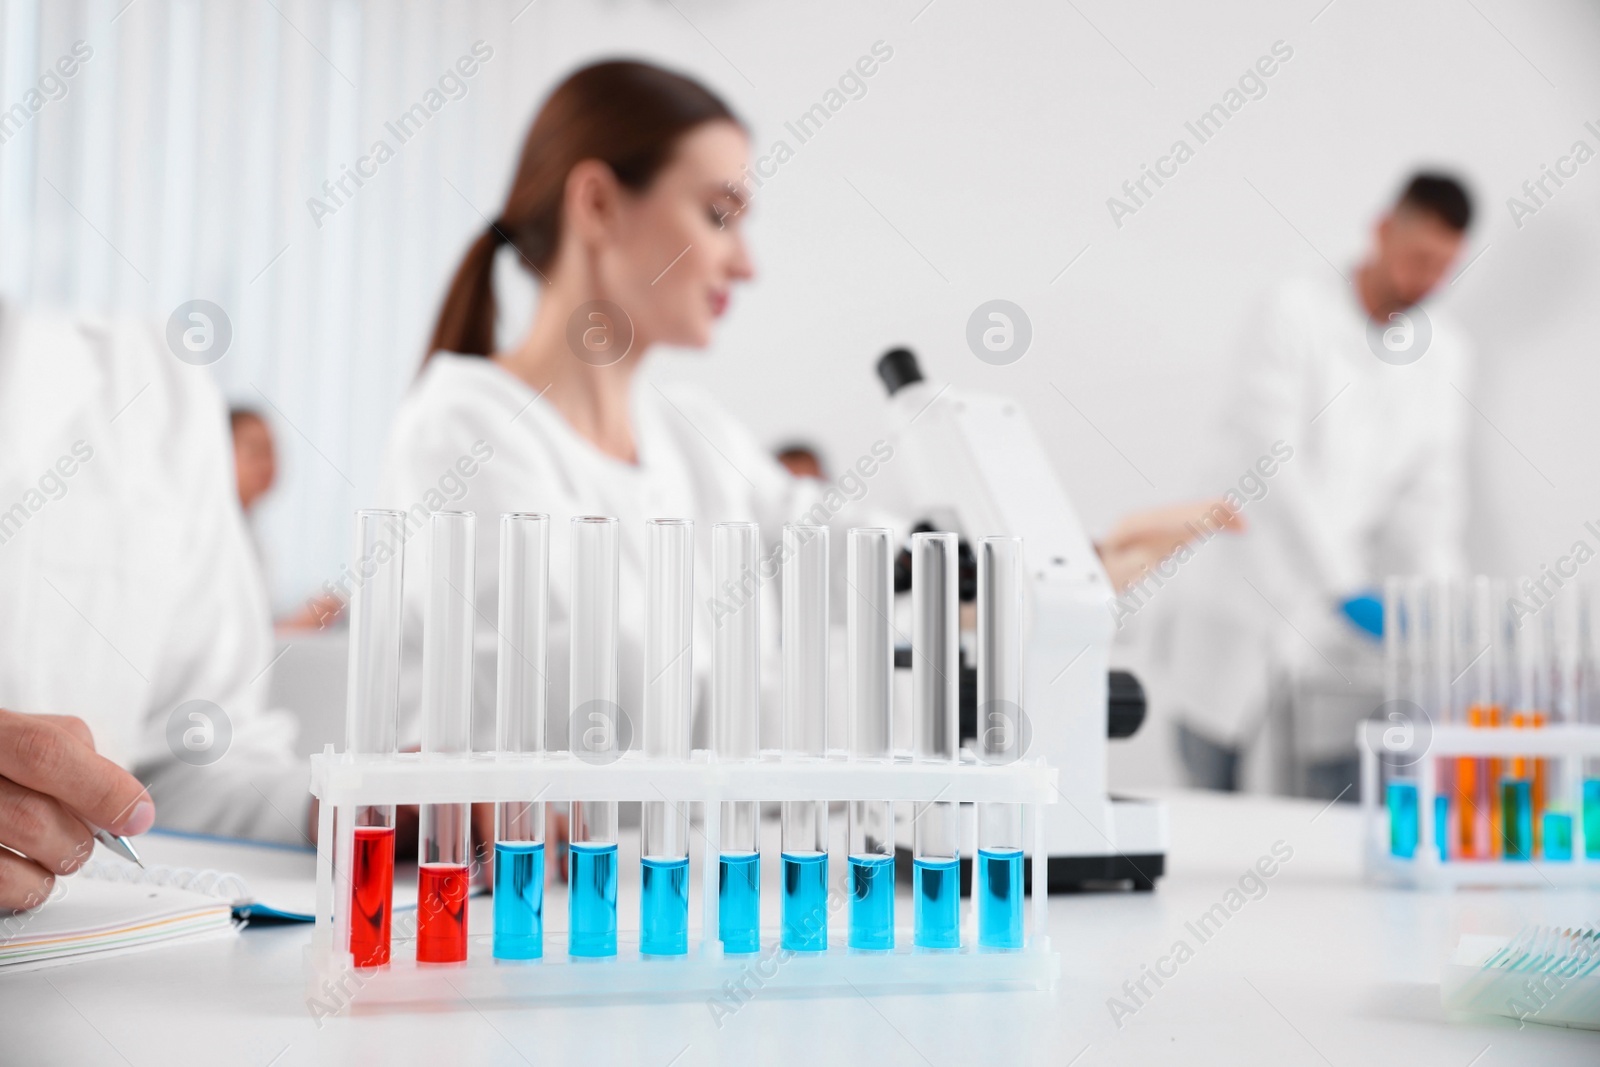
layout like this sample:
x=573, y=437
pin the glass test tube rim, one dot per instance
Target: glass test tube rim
x=742, y=538
x=357, y=701
x=999, y=624
x=862, y=533
x=804, y=568
x=601, y=678
x=804, y=722
x=869, y=573
x=735, y=700
x=668, y=702
x=444, y=838
x=437, y=713
x=520, y=730
x=542, y=521
x=677, y=747
x=365, y=841
x=935, y=693
x=947, y=642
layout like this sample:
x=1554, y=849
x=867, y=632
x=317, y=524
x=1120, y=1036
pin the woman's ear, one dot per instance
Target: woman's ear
x=590, y=201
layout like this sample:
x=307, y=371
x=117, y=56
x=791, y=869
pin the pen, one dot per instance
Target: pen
x=120, y=845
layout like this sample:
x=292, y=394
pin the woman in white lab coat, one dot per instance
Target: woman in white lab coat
x=626, y=207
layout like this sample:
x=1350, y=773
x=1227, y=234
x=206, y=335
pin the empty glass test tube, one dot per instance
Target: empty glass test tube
x=736, y=717
x=592, y=857
x=668, y=681
x=869, y=562
x=520, y=709
x=935, y=709
x=1000, y=738
x=372, y=706
x=444, y=832
x=805, y=732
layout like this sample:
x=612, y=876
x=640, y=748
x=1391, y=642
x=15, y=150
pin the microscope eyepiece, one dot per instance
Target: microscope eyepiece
x=898, y=369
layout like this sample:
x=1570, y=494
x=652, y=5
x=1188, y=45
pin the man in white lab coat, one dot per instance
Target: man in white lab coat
x=1367, y=386
x=129, y=596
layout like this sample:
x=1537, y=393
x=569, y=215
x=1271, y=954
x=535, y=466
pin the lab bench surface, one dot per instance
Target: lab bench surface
x=1224, y=963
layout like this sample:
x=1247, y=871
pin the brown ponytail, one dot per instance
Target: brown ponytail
x=628, y=115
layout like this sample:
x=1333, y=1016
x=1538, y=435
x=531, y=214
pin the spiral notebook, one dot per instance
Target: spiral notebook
x=89, y=918
x=260, y=881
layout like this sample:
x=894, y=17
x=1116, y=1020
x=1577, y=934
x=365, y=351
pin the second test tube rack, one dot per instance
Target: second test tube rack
x=1404, y=847
x=344, y=782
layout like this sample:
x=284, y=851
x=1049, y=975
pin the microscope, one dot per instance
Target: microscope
x=978, y=468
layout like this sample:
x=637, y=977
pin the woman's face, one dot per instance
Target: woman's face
x=679, y=246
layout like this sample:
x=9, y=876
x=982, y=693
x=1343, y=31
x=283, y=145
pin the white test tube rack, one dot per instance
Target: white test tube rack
x=1567, y=745
x=342, y=781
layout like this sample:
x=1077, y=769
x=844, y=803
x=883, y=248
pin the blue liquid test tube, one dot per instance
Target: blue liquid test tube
x=935, y=710
x=805, y=733
x=1516, y=826
x=1406, y=683
x=869, y=608
x=1403, y=819
x=668, y=676
x=520, y=710
x=735, y=715
x=1000, y=871
x=595, y=718
x=1591, y=818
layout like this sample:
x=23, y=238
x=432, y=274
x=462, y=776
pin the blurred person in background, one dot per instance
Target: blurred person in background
x=255, y=468
x=1364, y=384
x=131, y=607
x=255, y=457
x=801, y=460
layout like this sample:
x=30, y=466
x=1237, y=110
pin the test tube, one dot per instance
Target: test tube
x=444, y=833
x=1589, y=714
x=520, y=721
x=736, y=713
x=1552, y=786
x=370, y=722
x=1399, y=651
x=1518, y=813
x=935, y=708
x=1477, y=654
x=592, y=681
x=668, y=678
x=999, y=738
x=805, y=733
x=869, y=560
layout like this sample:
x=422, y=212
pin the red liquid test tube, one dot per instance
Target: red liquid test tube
x=372, y=895
x=371, y=713
x=444, y=835
x=442, y=912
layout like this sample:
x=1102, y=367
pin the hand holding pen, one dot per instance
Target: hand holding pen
x=57, y=797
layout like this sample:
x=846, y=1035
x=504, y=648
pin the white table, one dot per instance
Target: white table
x=1321, y=969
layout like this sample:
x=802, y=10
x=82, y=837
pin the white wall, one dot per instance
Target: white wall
x=977, y=165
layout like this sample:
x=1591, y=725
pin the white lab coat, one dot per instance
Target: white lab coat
x=127, y=583
x=695, y=461
x=1376, y=486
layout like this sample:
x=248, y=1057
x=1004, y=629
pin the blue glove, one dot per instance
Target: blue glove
x=1366, y=612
